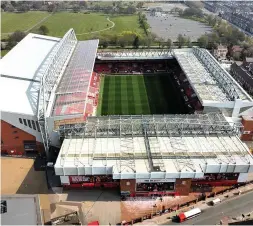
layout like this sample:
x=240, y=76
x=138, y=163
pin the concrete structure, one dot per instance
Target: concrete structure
x=20, y=210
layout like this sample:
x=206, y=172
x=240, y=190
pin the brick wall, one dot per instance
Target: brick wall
x=248, y=126
x=183, y=186
x=128, y=185
x=12, y=139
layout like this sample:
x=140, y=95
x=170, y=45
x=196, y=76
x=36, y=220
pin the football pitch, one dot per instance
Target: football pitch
x=139, y=94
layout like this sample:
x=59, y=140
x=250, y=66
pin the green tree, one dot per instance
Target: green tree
x=51, y=8
x=136, y=42
x=237, y=56
x=169, y=43
x=9, y=8
x=203, y=41
x=43, y=30
x=76, y=9
x=83, y=4
x=188, y=42
x=14, y=38
x=180, y=40
x=104, y=43
x=140, y=5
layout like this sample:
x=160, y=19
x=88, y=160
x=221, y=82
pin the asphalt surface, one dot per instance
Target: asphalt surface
x=231, y=208
x=169, y=26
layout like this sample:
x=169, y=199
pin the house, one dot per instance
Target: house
x=220, y=52
x=243, y=76
x=236, y=48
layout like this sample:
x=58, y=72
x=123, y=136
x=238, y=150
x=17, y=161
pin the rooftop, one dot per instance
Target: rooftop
x=153, y=157
x=18, y=79
x=158, y=146
x=209, y=80
x=25, y=58
x=74, y=85
x=21, y=210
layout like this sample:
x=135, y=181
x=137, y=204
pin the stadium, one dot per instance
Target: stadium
x=147, y=122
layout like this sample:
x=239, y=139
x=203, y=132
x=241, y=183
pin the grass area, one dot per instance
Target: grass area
x=139, y=94
x=20, y=21
x=4, y=52
x=60, y=22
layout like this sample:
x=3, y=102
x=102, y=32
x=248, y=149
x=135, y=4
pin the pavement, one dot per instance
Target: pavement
x=169, y=26
x=226, y=210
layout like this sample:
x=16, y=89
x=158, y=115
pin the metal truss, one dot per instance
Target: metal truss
x=221, y=76
x=156, y=125
x=50, y=71
x=153, y=128
x=147, y=53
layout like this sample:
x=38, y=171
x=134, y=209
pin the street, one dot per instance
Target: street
x=232, y=208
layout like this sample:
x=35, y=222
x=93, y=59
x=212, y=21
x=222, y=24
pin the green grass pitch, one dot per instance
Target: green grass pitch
x=139, y=94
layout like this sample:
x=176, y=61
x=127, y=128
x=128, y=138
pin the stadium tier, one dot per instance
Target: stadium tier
x=140, y=117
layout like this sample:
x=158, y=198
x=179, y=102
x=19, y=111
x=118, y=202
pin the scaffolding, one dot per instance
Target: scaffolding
x=50, y=71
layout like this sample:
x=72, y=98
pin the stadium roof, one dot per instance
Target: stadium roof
x=152, y=54
x=73, y=88
x=155, y=157
x=18, y=83
x=209, y=80
x=149, y=146
x=16, y=96
x=25, y=58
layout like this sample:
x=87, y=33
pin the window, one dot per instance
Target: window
x=29, y=123
x=38, y=127
x=33, y=124
x=13, y=126
x=15, y=131
x=16, y=137
x=20, y=120
x=24, y=120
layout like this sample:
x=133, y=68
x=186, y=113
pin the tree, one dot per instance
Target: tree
x=76, y=9
x=140, y=5
x=180, y=40
x=136, y=42
x=14, y=38
x=104, y=43
x=203, y=41
x=23, y=8
x=188, y=42
x=17, y=36
x=9, y=8
x=83, y=4
x=43, y=30
x=169, y=43
x=37, y=5
x=51, y=8
x=237, y=56
x=160, y=42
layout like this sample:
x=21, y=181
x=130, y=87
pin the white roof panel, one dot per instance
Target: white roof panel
x=25, y=58
x=16, y=96
x=185, y=157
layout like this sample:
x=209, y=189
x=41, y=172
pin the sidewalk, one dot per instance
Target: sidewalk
x=156, y=220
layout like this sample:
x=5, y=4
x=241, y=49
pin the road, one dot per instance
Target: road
x=231, y=208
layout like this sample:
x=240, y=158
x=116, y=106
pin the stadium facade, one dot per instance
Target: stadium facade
x=49, y=95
